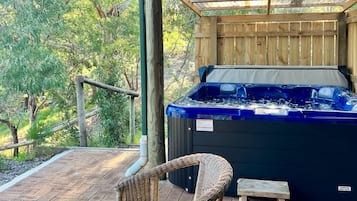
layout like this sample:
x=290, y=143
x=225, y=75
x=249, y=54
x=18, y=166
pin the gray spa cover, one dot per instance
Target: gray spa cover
x=285, y=75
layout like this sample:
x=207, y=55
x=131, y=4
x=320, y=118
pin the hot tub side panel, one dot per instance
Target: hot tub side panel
x=315, y=158
x=180, y=144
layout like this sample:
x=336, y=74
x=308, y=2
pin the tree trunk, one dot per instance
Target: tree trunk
x=15, y=138
x=33, y=108
x=26, y=103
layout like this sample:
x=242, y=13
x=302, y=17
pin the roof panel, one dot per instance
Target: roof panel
x=209, y=5
x=306, y=3
x=231, y=5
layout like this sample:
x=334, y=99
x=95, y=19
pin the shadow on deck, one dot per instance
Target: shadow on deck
x=84, y=174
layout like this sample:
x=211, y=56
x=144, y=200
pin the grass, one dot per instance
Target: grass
x=3, y=166
x=40, y=152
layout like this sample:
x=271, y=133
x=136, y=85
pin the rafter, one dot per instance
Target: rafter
x=195, y=9
x=207, y=1
x=349, y=4
x=235, y=7
x=268, y=7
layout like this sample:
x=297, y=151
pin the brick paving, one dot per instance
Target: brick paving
x=84, y=174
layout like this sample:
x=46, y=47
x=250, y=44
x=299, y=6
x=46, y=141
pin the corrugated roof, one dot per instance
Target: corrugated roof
x=270, y=5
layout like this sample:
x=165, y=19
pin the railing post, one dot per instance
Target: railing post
x=81, y=111
x=132, y=119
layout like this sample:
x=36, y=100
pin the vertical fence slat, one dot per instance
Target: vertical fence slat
x=329, y=44
x=205, y=46
x=261, y=45
x=352, y=50
x=272, y=44
x=198, y=53
x=317, y=45
x=221, y=44
x=342, y=44
x=239, y=45
x=229, y=44
x=250, y=53
x=213, y=41
x=305, y=58
x=294, y=50
x=283, y=54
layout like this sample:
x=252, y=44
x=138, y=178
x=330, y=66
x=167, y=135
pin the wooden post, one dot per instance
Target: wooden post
x=342, y=40
x=81, y=111
x=213, y=41
x=155, y=83
x=132, y=119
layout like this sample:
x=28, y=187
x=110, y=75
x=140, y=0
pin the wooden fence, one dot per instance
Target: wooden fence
x=273, y=40
x=20, y=144
x=352, y=45
x=81, y=114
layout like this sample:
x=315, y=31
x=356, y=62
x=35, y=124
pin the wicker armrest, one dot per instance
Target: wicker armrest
x=214, y=176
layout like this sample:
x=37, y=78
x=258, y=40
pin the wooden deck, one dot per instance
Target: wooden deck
x=85, y=174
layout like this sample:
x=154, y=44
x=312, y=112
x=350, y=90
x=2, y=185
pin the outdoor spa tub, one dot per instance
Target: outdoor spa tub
x=295, y=124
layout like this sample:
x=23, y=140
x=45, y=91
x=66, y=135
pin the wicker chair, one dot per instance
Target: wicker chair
x=214, y=176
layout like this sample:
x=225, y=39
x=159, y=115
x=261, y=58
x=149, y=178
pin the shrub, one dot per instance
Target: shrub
x=114, y=117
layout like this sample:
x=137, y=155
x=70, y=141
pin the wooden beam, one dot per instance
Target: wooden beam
x=132, y=120
x=352, y=16
x=109, y=87
x=352, y=19
x=20, y=144
x=194, y=8
x=230, y=7
x=155, y=83
x=278, y=17
x=349, y=4
x=342, y=40
x=268, y=7
x=81, y=112
x=269, y=33
x=213, y=40
x=207, y=1
x=66, y=124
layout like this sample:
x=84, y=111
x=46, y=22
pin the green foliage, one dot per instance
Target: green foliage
x=46, y=152
x=42, y=152
x=3, y=165
x=66, y=137
x=23, y=156
x=43, y=44
x=41, y=129
x=114, y=117
x=28, y=64
x=178, y=27
x=11, y=107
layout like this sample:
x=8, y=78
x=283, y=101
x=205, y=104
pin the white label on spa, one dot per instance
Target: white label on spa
x=344, y=188
x=271, y=111
x=204, y=125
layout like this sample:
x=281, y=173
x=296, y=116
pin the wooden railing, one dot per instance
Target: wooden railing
x=20, y=144
x=80, y=81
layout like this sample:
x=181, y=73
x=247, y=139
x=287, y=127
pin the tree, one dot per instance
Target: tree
x=28, y=64
x=11, y=114
x=29, y=68
x=104, y=45
x=178, y=28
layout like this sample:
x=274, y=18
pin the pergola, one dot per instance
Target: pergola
x=276, y=32
x=270, y=32
x=270, y=6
